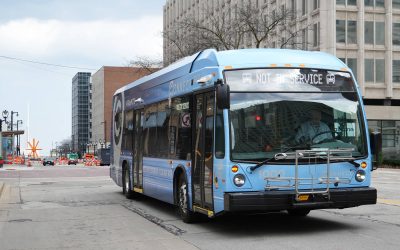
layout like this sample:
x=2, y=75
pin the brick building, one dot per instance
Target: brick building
x=104, y=84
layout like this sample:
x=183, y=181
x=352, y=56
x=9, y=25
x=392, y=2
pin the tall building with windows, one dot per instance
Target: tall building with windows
x=365, y=34
x=81, y=115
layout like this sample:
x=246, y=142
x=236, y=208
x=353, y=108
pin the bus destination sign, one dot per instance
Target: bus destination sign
x=313, y=80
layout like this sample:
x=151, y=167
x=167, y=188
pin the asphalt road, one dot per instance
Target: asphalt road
x=81, y=208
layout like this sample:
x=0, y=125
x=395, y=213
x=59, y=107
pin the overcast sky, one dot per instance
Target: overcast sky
x=79, y=33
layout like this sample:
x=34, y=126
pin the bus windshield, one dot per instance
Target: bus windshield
x=263, y=124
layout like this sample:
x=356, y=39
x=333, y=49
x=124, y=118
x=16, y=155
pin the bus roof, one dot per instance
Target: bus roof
x=243, y=58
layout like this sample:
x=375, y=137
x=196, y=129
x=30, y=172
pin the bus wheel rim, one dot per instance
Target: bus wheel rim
x=182, y=198
x=126, y=180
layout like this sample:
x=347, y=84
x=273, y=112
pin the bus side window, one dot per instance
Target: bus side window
x=127, y=131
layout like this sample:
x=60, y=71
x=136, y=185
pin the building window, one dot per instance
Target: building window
x=316, y=34
x=352, y=63
x=340, y=31
x=369, y=70
x=375, y=70
x=396, y=4
x=293, y=9
x=374, y=30
x=352, y=32
x=380, y=3
x=304, y=7
x=380, y=70
x=315, y=4
x=374, y=3
x=304, y=39
x=396, y=33
x=380, y=33
x=348, y=2
x=396, y=71
x=369, y=3
x=369, y=32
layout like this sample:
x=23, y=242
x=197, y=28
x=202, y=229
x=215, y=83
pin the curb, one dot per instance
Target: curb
x=1, y=188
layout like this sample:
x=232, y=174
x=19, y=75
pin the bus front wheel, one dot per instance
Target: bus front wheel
x=183, y=201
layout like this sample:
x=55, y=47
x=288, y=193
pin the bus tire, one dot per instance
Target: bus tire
x=298, y=212
x=182, y=201
x=126, y=184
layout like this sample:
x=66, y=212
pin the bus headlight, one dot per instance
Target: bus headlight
x=239, y=180
x=360, y=175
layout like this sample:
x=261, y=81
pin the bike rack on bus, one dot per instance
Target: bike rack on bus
x=312, y=156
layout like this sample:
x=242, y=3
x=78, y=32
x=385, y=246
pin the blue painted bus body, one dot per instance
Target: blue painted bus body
x=180, y=78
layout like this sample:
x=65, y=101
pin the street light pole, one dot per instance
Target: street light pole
x=18, y=139
x=12, y=119
x=105, y=130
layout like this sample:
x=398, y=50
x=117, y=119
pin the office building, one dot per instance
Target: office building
x=365, y=34
x=81, y=116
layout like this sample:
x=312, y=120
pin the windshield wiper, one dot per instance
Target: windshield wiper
x=261, y=163
x=279, y=156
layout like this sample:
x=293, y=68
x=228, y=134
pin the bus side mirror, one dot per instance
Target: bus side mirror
x=223, y=96
x=376, y=148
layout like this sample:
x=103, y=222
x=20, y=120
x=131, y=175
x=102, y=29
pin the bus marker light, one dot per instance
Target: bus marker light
x=363, y=164
x=344, y=69
x=228, y=67
x=235, y=169
x=288, y=65
x=303, y=197
x=273, y=65
x=302, y=65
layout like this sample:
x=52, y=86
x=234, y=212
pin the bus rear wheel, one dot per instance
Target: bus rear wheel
x=298, y=212
x=126, y=184
x=183, y=201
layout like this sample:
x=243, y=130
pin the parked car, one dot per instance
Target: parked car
x=49, y=161
x=1, y=162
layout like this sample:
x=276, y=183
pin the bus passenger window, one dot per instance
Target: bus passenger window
x=127, y=131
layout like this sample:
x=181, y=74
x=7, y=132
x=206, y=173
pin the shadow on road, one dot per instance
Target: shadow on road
x=246, y=225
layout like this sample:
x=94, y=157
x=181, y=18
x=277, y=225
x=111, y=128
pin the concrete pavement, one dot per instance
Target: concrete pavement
x=75, y=213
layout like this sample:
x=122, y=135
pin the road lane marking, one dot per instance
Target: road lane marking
x=389, y=201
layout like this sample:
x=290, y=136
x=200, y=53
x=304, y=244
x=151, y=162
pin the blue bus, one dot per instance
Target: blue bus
x=245, y=130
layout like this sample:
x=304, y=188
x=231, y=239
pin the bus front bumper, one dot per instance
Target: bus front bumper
x=283, y=200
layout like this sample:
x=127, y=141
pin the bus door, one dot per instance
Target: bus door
x=137, y=152
x=203, y=150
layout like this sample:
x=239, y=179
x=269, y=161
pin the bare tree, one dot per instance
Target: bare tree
x=249, y=26
x=148, y=64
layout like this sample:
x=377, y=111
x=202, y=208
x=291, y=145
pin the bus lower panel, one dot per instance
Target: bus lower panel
x=282, y=200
